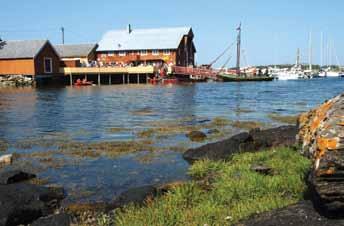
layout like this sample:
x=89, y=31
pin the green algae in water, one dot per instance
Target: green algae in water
x=287, y=119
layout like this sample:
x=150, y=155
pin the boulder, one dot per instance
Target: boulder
x=24, y=203
x=321, y=135
x=14, y=176
x=265, y=170
x=300, y=214
x=62, y=219
x=244, y=142
x=135, y=195
x=6, y=159
x=197, y=136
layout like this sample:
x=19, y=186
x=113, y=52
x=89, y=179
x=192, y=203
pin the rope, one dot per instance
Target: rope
x=223, y=53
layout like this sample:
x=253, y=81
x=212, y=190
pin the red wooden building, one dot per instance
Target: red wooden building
x=173, y=46
x=32, y=58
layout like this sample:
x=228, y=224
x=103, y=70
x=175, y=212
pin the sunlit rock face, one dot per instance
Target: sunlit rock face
x=321, y=134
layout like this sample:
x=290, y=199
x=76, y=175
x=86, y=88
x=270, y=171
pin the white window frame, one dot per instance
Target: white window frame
x=167, y=52
x=155, y=52
x=143, y=52
x=111, y=54
x=51, y=65
x=122, y=53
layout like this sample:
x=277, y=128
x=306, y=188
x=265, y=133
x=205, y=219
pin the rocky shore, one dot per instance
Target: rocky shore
x=16, y=80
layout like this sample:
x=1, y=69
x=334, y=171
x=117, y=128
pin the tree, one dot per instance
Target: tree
x=2, y=43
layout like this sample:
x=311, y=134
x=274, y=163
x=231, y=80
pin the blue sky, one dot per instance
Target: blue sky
x=272, y=29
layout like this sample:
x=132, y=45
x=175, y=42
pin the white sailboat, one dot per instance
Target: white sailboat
x=329, y=72
x=291, y=74
x=310, y=73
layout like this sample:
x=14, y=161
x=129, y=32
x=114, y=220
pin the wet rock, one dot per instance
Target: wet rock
x=62, y=219
x=265, y=170
x=300, y=214
x=169, y=186
x=24, y=203
x=6, y=160
x=14, y=176
x=135, y=195
x=196, y=136
x=321, y=135
x=213, y=131
x=244, y=142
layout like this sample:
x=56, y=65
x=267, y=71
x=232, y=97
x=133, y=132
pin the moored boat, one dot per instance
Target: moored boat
x=83, y=82
x=243, y=78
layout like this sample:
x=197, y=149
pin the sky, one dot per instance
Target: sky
x=272, y=30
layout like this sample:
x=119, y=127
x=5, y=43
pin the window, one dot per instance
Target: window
x=111, y=54
x=155, y=52
x=48, y=65
x=167, y=52
x=143, y=52
x=122, y=53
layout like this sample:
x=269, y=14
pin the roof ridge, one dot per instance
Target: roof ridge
x=158, y=28
x=75, y=44
x=34, y=40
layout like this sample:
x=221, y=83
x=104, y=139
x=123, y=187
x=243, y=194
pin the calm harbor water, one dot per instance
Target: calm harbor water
x=29, y=116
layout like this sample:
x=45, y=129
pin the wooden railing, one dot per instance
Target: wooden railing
x=208, y=73
x=107, y=70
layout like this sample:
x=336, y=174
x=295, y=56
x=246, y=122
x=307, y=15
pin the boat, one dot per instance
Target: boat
x=248, y=75
x=83, y=83
x=243, y=78
x=163, y=81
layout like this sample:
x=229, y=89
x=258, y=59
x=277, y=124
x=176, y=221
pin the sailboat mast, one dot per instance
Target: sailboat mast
x=238, y=50
x=321, y=49
x=298, y=57
x=310, y=51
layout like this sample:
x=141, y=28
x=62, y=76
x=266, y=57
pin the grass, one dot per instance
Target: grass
x=233, y=192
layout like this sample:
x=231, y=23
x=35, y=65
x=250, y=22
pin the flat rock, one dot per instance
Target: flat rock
x=14, y=176
x=265, y=170
x=135, y=195
x=196, y=136
x=24, y=203
x=300, y=214
x=62, y=219
x=244, y=142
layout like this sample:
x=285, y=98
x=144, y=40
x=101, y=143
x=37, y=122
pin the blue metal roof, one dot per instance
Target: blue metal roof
x=142, y=39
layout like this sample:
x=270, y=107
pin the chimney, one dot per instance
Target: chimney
x=129, y=29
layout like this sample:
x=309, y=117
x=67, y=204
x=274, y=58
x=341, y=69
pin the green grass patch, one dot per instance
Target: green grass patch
x=236, y=191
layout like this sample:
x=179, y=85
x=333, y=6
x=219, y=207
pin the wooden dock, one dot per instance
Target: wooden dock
x=124, y=73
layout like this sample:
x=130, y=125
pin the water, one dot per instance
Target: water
x=87, y=114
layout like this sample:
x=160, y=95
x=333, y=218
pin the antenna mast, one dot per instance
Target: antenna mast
x=238, y=49
x=62, y=32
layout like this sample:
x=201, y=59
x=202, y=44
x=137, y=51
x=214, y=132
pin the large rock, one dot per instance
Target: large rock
x=244, y=142
x=24, y=203
x=6, y=160
x=300, y=214
x=322, y=138
x=135, y=195
x=62, y=219
x=14, y=176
